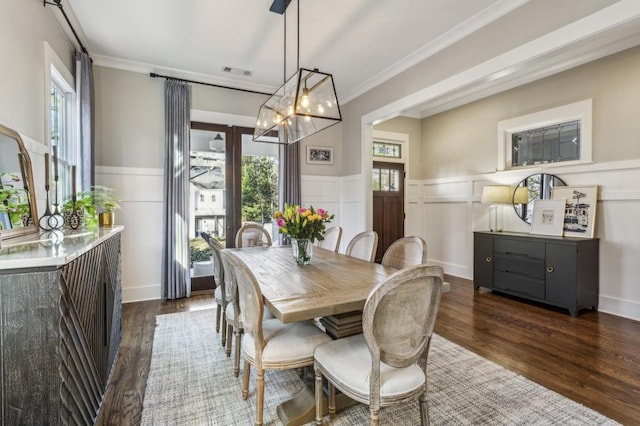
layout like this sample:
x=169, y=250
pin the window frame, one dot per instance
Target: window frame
x=578, y=111
x=58, y=76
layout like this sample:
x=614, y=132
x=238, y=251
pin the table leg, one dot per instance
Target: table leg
x=301, y=409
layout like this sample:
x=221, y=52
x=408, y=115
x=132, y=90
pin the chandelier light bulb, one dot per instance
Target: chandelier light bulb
x=304, y=100
x=320, y=109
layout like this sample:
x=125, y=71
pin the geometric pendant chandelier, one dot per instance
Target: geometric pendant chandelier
x=305, y=104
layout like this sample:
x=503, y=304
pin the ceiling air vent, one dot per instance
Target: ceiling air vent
x=237, y=71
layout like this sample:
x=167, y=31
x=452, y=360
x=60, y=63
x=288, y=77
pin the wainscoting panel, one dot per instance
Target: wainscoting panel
x=140, y=192
x=450, y=210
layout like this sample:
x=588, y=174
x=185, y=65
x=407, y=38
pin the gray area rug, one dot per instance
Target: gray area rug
x=191, y=382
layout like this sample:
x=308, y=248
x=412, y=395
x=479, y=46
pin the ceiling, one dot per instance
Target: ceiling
x=361, y=42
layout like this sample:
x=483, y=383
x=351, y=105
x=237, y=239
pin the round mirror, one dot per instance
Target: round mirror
x=531, y=188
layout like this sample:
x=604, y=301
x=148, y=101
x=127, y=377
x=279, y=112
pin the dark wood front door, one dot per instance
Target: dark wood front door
x=388, y=204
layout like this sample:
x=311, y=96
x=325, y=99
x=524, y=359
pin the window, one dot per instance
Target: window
x=551, y=144
x=554, y=137
x=387, y=149
x=385, y=179
x=61, y=122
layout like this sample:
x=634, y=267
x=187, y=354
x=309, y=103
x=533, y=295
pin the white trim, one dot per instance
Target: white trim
x=581, y=111
x=145, y=68
x=140, y=171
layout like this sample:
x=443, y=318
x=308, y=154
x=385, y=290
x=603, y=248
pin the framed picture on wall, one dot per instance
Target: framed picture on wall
x=548, y=217
x=319, y=155
x=580, y=211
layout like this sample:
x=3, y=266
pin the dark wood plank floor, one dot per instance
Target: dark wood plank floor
x=593, y=359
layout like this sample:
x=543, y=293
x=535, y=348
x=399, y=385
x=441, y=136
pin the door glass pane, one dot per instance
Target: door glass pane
x=207, y=209
x=375, y=179
x=394, y=180
x=260, y=168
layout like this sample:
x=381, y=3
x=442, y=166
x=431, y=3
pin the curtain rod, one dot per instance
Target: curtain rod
x=58, y=4
x=156, y=75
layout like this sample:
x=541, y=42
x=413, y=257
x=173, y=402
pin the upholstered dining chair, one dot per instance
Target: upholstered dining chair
x=252, y=234
x=405, y=252
x=387, y=363
x=363, y=246
x=268, y=344
x=332, y=237
x=220, y=294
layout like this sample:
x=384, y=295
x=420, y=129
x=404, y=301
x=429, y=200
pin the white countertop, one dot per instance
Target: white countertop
x=51, y=249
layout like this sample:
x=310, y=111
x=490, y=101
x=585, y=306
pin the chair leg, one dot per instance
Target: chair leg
x=229, y=337
x=424, y=410
x=223, y=326
x=245, y=380
x=332, y=400
x=374, y=417
x=218, y=314
x=319, y=414
x=236, y=363
x=259, y=396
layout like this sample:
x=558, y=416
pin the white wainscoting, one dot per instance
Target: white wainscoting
x=447, y=211
x=140, y=190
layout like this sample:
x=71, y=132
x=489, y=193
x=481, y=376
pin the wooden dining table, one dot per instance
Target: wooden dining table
x=332, y=284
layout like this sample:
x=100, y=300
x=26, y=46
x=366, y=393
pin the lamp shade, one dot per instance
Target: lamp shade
x=304, y=105
x=521, y=195
x=497, y=194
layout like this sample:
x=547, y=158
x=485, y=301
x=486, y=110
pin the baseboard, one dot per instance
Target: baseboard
x=622, y=308
x=140, y=294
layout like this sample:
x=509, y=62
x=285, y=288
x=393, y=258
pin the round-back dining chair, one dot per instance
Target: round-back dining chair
x=363, y=246
x=405, y=252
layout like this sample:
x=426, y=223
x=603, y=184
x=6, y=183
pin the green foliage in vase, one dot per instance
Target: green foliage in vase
x=89, y=203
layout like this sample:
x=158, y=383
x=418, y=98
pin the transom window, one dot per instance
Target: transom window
x=387, y=149
x=550, y=144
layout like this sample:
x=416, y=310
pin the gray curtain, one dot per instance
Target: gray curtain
x=175, y=255
x=289, y=185
x=84, y=89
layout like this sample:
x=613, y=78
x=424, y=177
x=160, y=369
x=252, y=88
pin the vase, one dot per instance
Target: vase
x=302, y=250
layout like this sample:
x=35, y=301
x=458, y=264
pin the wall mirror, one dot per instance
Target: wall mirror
x=18, y=214
x=531, y=188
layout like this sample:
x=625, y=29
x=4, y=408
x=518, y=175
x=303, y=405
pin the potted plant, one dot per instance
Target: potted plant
x=95, y=207
x=105, y=204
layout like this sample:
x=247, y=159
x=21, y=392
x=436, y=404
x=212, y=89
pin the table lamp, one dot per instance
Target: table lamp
x=496, y=196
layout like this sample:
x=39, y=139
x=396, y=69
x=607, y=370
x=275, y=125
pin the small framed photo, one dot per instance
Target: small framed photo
x=319, y=155
x=580, y=212
x=548, y=217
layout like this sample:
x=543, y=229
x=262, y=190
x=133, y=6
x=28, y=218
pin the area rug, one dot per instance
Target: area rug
x=191, y=382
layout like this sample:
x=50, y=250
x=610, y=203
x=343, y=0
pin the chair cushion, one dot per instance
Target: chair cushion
x=286, y=344
x=349, y=360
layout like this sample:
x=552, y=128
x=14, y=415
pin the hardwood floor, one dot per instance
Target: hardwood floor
x=593, y=359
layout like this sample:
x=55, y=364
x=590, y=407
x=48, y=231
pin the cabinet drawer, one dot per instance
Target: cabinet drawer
x=518, y=284
x=518, y=247
x=531, y=267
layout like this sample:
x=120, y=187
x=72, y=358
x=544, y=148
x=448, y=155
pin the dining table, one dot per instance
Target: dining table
x=332, y=285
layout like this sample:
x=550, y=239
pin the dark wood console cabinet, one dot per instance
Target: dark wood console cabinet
x=60, y=331
x=559, y=271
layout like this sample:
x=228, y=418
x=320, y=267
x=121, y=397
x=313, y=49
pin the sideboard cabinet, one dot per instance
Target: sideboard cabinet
x=60, y=307
x=559, y=271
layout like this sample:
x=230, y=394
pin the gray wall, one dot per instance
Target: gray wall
x=24, y=27
x=531, y=20
x=611, y=82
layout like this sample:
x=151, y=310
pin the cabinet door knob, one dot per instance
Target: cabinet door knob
x=487, y=259
x=550, y=269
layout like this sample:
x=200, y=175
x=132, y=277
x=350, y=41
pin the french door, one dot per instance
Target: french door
x=388, y=204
